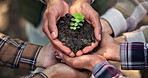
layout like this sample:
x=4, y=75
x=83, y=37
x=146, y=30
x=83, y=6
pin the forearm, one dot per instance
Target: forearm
x=106, y=27
x=16, y=53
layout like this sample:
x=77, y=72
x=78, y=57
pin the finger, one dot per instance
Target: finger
x=90, y=48
x=72, y=11
x=52, y=18
x=79, y=53
x=97, y=26
x=45, y=26
x=68, y=60
x=61, y=47
x=66, y=8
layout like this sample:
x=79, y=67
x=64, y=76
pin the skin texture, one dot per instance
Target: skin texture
x=56, y=9
x=83, y=62
x=109, y=48
x=46, y=57
x=83, y=7
x=56, y=71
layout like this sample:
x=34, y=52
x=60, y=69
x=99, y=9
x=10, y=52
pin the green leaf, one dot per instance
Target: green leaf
x=72, y=24
x=77, y=20
x=80, y=24
x=82, y=20
x=78, y=16
x=76, y=24
x=72, y=19
x=78, y=27
x=74, y=28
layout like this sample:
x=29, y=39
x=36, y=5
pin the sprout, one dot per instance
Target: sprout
x=76, y=21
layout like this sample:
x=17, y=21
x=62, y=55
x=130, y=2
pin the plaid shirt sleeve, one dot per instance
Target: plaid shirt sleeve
x=16, y=53
x=133, y=55
x=106, y=70
x=36, y=75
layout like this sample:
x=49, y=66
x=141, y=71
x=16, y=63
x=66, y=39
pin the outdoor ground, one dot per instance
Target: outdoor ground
x=12, y=24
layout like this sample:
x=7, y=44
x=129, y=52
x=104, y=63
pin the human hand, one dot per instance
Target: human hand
x=64, y=71
x=46, y=57
x=84, y=7
x=109, y=48
x=55, y=9
x=83, y=62
x=106, y=27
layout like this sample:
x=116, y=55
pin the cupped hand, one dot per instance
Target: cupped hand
x=91, y=16
x=84, y=61
x=55, y=9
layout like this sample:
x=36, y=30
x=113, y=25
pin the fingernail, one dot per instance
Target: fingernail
x=53, y=34
x=72, y=54
x=61, y=55
x=62, y=61
x=99, y=36
x=58, y=57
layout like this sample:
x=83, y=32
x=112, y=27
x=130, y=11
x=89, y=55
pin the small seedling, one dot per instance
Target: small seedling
x=77, y=21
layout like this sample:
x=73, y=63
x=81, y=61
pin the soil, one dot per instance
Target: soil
x=75, y=39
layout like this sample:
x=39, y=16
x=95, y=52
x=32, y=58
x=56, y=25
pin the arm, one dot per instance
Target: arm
x=16, y=53
x=124, y=18
x=94, y=63
x=133, y=55
x=56, y=71
x=139, y=35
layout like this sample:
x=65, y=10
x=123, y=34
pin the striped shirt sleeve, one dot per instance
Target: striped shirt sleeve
x=16, y=53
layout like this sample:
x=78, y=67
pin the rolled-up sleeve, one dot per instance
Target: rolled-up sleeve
x=123, y=18
x=16, y=53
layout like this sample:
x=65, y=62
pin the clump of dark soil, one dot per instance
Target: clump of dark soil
x=75, y=39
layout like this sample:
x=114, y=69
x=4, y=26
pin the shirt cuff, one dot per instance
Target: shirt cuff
x=106, y=70
x=116, y=20
x=132, y=55
x=135, y=36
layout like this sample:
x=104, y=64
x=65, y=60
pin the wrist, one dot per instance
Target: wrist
x=106, y=27
x=39, y=58
x=95, y=61
x=121, y=38
x=117, y=50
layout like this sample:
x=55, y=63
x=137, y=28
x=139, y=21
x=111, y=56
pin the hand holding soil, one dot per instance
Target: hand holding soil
x=91, y=16
x=76, y=39
x=54, y=10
